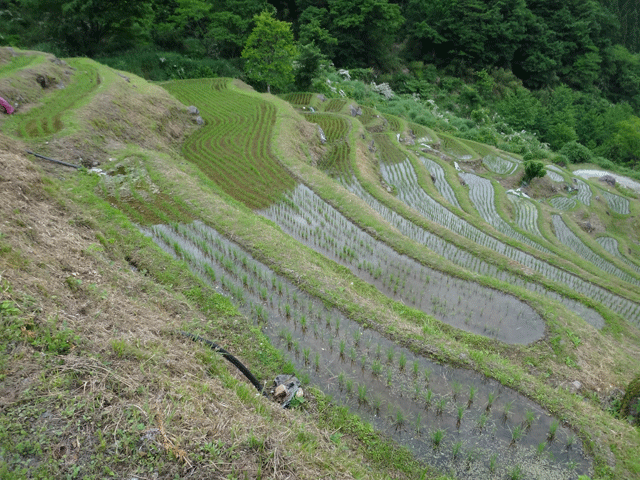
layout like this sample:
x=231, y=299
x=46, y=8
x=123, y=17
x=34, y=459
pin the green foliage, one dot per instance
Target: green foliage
x=309, y=61
x=533, y=170
x=576, y=152
x=270, y=52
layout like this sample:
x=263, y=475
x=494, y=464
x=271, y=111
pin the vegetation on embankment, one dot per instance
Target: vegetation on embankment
x=124, y=316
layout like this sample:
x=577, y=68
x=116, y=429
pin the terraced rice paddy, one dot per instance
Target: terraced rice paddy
x=232, y=149
x=442, y=414
x=500, y=165
x=440, y=180
x=610, y=244
x=568, y=238
x=556, y=177
x=389, y=152
x=312, y=221
x=563, y=203
x=623, y=306
x=482, y=193
x=584, y=192
x=334, y=105
x=526, y=214
x=423, y=134
x=335, y=127
x=299, y=98
x=46, y=119
x=19, y=62
x=395, y=123
x=617, y=203
x=455, y=148
x=624, y=181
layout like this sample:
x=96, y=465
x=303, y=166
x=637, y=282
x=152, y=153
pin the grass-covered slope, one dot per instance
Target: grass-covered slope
x=96, y=383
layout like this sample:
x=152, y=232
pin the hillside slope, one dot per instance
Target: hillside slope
x=336, y=285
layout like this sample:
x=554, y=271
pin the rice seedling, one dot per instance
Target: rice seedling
x=455, y=388
x=436, y=437
x=428, y=398
x=357, y=334
x=570, y=441
x=490, y=399
x=516, y=434
x=389, y=377
x=540, y=448
x=529, y=418
x=440, y=404
x=343, y=345
x=362, y=393
x=376, y=367
x=427, y=375
x=418, y=423
x=378, y=350
x=472, y=395
x=456, y=449
x=305, y=353
x=400, y=418
x=377, y=404
x=403, y=361
x=349, y=386
x=416, y=368
x=352, y=354
x=552, y=429
x=493, y=462
x=316, y=361
x=390, y=354
x=460, y=414
x=507, y=409
x=482, y=420
x=341, y=379
x=516, y=473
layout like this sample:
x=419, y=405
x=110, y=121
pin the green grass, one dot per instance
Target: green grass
x=47, y=119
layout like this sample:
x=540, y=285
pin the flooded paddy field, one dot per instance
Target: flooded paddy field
x=454, y=419
x=460, y=303
x=434, y=211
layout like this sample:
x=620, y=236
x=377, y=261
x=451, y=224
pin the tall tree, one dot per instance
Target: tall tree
x=87, y=27
x=269, y=52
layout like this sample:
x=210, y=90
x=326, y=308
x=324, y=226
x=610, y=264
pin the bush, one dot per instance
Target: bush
x=533, y=170
x=576, y=152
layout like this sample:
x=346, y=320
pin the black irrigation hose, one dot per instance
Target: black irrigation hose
x=228, y=356
x=53, y=160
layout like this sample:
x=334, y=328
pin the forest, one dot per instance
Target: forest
x=563, y=75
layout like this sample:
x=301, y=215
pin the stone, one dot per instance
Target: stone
x=281, y=391
x=199, y=120
x=193, y=110
x=299, y=393
x=576, y=385
x=608, y=179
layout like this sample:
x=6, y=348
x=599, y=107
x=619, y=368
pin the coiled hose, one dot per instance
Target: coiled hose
x=217, y=348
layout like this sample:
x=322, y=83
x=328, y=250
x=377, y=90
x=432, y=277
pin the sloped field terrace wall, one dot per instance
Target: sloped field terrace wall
x=454, y=419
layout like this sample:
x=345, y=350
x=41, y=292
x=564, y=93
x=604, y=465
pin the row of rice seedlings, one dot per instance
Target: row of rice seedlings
x=568, y=238
x=554, y=176
x=396, y=124
x=298, y=98
x=617, y=203
x=584, y=192
x=499, y=165
x=440, y=181
x=563, y=203
x=454, y=301
x=389, y=152
x=423, y=134
x=420, y=387
x=334, y=105
x=474, y=263
x=526, y=214
x=244, y=168
x=432, y=210
x=335, y=127
x=481, y=194
x=610, y=244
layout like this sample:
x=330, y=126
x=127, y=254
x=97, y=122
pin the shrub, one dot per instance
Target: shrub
x=576, y=152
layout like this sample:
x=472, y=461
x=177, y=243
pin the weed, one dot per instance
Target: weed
x=529, y=418
x=490, y=399
x=472, y=395
x=456, y=449
x=507, y=409
x=516, y=434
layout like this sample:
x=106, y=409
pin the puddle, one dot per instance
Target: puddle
x=408, y=397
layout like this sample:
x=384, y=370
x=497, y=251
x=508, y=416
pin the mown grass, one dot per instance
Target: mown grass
x=48, y=119
x=233, y=148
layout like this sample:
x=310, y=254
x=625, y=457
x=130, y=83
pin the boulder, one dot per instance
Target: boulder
x=193, y=110
x=608, y=179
